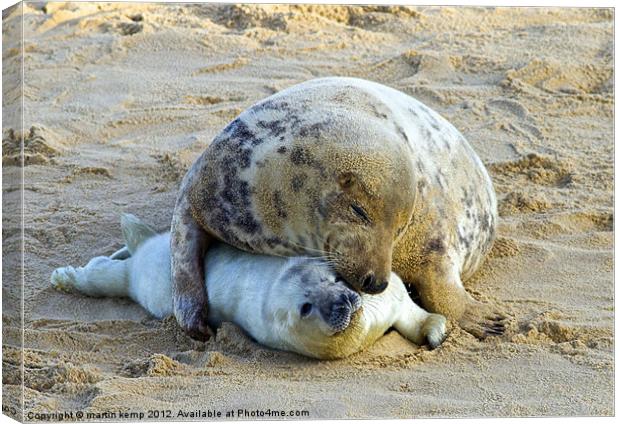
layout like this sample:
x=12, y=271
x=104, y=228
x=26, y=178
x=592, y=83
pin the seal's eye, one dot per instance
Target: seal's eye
x=360, y=212
x=305, y=310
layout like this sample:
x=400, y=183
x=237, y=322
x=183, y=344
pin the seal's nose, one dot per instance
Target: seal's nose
x=371, y=286
x=367, y=282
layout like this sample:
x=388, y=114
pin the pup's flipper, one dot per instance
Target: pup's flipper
x=102, y=276
x=121, y=254
x=135, y=232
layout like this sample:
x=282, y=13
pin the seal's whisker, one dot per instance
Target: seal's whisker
x=324, y=254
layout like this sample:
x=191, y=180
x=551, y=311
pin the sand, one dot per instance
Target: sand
x=120, y=99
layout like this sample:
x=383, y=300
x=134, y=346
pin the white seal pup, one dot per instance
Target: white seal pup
x=350, y=170
x=294, y=304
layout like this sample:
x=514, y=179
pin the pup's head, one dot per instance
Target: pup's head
x=318, y=303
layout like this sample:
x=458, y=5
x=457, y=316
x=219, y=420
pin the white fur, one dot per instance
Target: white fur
x=251, y=291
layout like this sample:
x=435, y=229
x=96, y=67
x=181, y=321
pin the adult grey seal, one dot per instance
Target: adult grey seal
x=349, y=170
x=293, y=304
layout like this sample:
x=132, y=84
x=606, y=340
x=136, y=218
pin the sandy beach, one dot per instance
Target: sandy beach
x=121, y=98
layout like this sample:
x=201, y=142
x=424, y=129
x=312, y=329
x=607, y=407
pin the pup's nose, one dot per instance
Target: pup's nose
x=371, y=286
x=342, y=304
x=355, y=300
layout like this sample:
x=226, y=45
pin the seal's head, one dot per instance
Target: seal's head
x=318, y=302
x=363, y=215
x=340, y=185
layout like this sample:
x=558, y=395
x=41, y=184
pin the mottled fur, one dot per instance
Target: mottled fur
x=428, y=208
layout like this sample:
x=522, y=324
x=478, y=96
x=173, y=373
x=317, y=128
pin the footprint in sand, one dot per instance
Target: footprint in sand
x=504, y=247
x=203, y=100
x=541, y=170
x=40, y=146
x=508, y=105
x=222, y=67
x=45, y=378
x=414, y=66
x=172, y=169
x=560, y=78
x=281, y=17
x=522, y=202
x=584, y=221
x=555, y=327
x=156, y=365
x=129, y=28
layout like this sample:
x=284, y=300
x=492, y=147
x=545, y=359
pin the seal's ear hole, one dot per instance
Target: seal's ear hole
x=305, y=309
x=346, y=180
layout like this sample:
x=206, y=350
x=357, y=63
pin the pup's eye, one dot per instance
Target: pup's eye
x=305, y=310
x=360, y=212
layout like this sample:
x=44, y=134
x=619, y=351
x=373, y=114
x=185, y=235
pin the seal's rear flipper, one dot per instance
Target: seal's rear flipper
x=135, y=232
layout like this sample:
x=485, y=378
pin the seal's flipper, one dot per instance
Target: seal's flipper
x=135, y=232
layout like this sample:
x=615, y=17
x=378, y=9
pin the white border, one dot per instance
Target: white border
x=502, y=3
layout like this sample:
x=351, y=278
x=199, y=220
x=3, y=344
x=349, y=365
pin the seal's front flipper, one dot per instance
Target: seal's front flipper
x=188, y=246
x=483, y=319
x=135, y=232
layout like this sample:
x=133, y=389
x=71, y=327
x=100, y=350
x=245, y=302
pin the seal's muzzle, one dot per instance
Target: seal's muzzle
x=338, y=314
